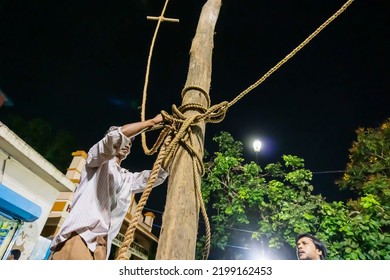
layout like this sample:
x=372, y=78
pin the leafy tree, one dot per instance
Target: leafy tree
x=368, y=173
x=274, y=204
x=277, y=203
x=55, y=146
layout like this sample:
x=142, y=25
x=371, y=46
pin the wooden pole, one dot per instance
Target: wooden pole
x=181, y=215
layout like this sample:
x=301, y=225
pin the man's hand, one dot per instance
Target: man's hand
x=133, y=129
x=157, y=119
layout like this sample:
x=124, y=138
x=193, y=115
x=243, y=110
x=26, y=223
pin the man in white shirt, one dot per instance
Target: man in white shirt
x=103, y=196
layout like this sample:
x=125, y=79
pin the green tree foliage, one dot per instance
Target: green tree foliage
x=273, y=205
x=368, y=173
x=55, y=146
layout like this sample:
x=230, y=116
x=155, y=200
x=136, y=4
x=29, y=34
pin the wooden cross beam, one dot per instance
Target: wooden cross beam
x=162, y=19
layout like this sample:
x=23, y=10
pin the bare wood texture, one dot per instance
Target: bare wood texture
x=181, y=214
x=163, y=19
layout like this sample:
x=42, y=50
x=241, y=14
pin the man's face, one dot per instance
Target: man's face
x=306, y=250
x=124, y=152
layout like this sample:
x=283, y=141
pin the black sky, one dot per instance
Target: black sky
x=80, y=65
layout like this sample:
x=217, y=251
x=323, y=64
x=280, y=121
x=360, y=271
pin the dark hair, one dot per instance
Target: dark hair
x=318, y=243
x=112, y=128
x=16, y=253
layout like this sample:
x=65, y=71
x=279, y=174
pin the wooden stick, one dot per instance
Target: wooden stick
x=163, y=19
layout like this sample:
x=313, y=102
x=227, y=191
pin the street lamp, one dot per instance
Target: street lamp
x=257, y=147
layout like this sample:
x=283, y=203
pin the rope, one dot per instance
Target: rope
x=292, y=53
x=177, y=130
x=144, y=95
x=129, y=235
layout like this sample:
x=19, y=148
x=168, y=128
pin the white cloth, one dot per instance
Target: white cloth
x=104, y=194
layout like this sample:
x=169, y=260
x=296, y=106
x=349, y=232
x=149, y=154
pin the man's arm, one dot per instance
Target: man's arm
x=137, y=181
x=133, y=129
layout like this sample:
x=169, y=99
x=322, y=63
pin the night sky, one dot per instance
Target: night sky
x=81, y=65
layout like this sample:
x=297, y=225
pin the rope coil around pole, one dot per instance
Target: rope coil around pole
x=198, y=88
x=178, y=127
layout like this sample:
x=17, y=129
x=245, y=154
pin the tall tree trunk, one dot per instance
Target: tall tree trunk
x=180, y=220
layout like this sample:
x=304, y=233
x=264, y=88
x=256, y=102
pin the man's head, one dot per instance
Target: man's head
x=309, y=247
x=14, y=254
x=124, y=151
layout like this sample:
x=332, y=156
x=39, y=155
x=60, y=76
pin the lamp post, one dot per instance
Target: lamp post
x=257, y=148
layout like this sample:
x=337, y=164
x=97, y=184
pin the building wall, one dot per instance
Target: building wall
x=21, y=180
x=27, y=173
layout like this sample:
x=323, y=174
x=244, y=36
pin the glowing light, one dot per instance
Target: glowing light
x=259, y=256
x=257, y=145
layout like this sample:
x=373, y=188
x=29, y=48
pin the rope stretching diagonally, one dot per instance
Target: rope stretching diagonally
x=292, y=53
x=177, y=130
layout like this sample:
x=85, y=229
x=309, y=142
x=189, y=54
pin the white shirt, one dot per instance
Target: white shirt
x=104, y=194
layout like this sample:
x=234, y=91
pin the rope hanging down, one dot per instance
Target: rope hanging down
x=178, y=131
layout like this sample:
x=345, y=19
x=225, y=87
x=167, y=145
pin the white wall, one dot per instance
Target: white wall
x=24, y=182
x=27, y=173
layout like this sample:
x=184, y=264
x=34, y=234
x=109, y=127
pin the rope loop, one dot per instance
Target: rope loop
x=198, y=88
